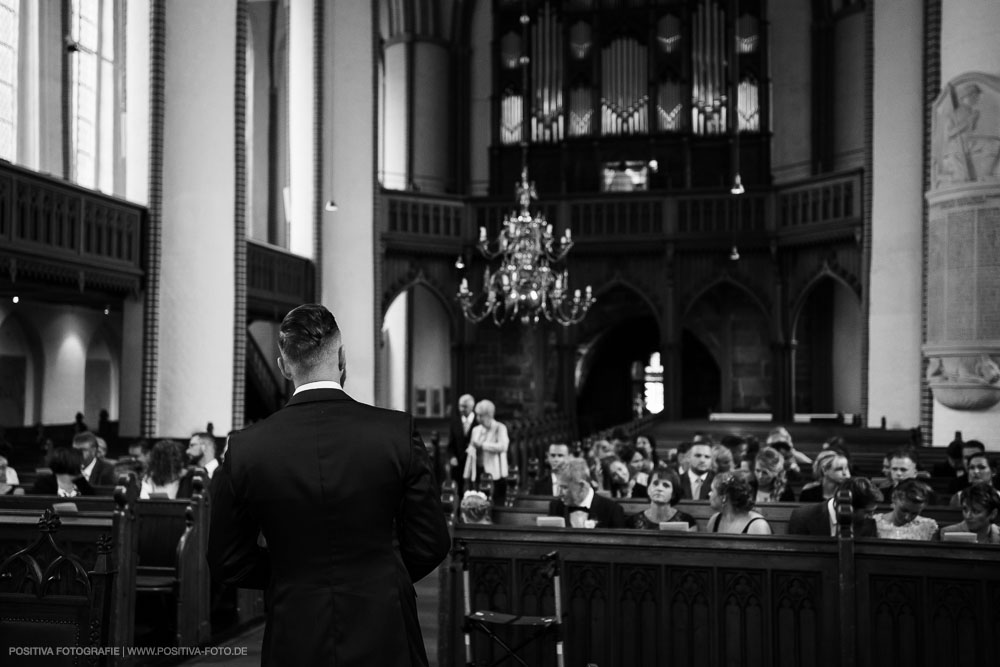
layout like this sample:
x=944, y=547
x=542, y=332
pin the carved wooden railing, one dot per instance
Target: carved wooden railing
x=826, y=200
x=55, y=230
x=819, y=203
x=277, y=279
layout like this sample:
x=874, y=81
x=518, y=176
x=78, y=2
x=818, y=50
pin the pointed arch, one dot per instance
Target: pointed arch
x=729, y=279
x=102, y=373
x=410, y=281
x=19, y=339
x=827, y=270
x=640, y=291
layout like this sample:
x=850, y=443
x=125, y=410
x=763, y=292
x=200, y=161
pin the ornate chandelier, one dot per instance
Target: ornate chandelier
x=525, y=286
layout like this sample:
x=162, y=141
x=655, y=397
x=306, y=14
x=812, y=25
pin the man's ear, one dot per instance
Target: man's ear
x=284, y=369
x=342, y=365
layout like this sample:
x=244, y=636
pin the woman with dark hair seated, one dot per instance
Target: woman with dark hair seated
x=733, y=496
x=980, y=507
x=978, y=469
x=647, y=445
x=166, y=475
x=664, y=493
x=65, y=480
x=904, y=522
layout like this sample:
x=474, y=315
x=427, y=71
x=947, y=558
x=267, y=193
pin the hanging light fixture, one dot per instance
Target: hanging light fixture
x=525, y=286
x=737, y=188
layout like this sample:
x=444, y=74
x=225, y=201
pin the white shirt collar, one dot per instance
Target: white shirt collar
x=89, y=468
x=833, y=517
x=692, y=475
x=319, y=384
x=211, y=466
x=588, y=499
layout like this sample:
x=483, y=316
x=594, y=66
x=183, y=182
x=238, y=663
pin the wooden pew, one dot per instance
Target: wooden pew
x=527, y=508
x=68, y=581
x=171, y=540
x=656, y=598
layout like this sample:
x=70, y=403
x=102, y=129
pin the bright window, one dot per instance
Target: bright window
x=9, y=27
x=94, y=88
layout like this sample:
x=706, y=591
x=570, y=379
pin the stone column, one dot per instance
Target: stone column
x=347, y=285
x=963, y=268
x=196, y=299
x=896, y=248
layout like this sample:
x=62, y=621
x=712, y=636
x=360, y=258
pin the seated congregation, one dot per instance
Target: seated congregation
x=746, y=488
x=733, y=552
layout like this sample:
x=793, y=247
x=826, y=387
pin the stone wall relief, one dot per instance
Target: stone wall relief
x=963, y=252
x=965, y=144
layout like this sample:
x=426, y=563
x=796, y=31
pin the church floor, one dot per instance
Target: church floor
x=427, y=609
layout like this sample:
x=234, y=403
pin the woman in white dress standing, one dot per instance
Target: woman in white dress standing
x=487, y=451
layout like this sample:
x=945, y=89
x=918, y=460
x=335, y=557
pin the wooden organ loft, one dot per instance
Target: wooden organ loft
x=626, y=95
x=635, y=116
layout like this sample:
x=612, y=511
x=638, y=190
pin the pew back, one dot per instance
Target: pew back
x=67, y=581
x=651, y=598
x=169, y=544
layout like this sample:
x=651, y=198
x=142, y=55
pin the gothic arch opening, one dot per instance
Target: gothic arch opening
x=21, y=367
x=827, y=349
x=100, y=389
x=728, y=324
x=619, y=332
x=702, y=378
x=415, y=354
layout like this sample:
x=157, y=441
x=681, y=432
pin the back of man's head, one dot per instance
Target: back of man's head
x=308, y=336
x=863, y=493
x=85, y=439
x=574, y=470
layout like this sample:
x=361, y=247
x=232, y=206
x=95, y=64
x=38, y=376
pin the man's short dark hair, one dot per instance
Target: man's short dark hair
x=306, y=333
x=85, y=438
x=863, y=492
x=904, y=453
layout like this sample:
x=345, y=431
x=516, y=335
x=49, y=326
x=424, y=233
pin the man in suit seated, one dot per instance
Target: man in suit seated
x=696, y=483
x=821, y=518
x=201, y=452
x=547, y=485
x=95, y=470
x=577, y=501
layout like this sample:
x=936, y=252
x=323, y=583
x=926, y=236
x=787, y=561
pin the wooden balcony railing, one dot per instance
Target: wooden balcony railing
x=800, y=208
x=56, y=224
x=277, y=280
x=828, y=200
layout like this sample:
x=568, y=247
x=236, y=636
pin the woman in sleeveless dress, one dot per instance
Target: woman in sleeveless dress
x=732, y=495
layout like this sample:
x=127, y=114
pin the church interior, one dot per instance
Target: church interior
x=609, y=218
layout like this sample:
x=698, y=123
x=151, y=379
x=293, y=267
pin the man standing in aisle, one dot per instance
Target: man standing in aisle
x=459, y=437
x=343, y=495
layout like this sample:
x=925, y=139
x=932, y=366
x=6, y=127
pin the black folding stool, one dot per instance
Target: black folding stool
x=485, y=621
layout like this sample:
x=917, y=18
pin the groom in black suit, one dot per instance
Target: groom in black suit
x=578, y=502
x=342, y=494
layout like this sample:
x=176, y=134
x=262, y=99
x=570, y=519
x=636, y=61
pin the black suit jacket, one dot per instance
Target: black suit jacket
x=815, y=520
x=458, y=441
x=103, y=474
x=343, y=494
x=706, y=486
x=543, y=486
x=607, y=513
